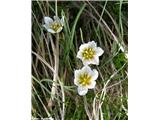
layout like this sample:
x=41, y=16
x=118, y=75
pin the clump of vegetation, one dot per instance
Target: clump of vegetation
x=54, y=60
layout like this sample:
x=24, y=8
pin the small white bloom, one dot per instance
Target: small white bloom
x=85, y=79
x=89, y=53
x=54, y=26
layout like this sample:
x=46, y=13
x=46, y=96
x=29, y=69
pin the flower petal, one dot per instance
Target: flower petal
x=82, y=90
x=48, y=20
x=51, y=31
x=92, y=44
x=86, y=69
x=99, y=51
x=95, y=60
x=62, y=21
x=82, y=47
x=76, y=75
x=79, y=55
x=59, y=30
x=94, y=74
x=56, y=18
x=92, y=85
x=86, y=62
x=46, y=26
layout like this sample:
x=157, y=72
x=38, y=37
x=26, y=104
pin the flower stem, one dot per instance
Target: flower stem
x=56, y=64
x=55, y=74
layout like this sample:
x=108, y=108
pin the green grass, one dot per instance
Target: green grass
x=105, y=22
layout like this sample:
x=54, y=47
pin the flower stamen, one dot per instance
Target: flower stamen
x=84, y=79
x=88, y=53
x=55, y=26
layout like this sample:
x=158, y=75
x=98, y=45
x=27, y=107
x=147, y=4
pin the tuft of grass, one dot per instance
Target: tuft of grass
x=105, y=22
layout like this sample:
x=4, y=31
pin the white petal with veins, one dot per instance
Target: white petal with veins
x=86, y=62
x=83, y=46
x=59, y=30
x=92, y=85
x=96, y=60
x=51, y=31
x=99, y=51
x=82, y=90
x=95, y=74
x=46, y=26
x=76, y=74
x=62, y=21
x=48, y=20
x=79, y=54
x=92, y=44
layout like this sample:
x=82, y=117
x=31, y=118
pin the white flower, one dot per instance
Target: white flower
x=54, y=26
x=85, y=79
x=89, y=53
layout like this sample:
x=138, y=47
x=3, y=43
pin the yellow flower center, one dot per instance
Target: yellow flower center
x=88, y=53
x=55, y=26
x=84, y=79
